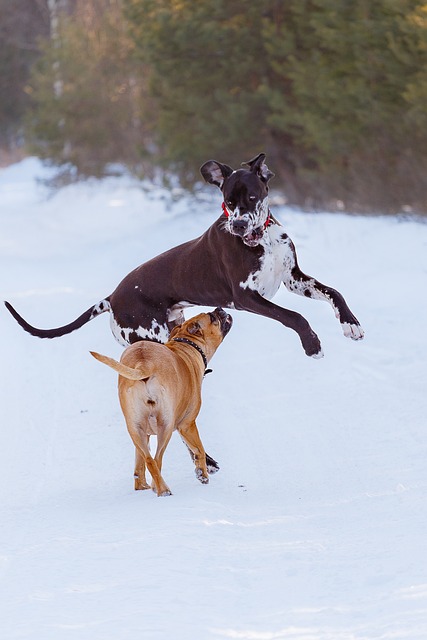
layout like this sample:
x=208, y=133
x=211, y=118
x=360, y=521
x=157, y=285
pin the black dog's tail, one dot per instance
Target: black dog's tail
x=91, y=313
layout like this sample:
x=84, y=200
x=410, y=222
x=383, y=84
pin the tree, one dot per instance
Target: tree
x=206, y=60
x=22, y=22
x=87, y=92
x=333, y=92
x=349, y=66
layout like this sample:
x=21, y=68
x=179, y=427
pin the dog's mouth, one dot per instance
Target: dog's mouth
x=224, y=319
x=253, y=238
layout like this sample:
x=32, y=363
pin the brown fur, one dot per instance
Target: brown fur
x=160, y=391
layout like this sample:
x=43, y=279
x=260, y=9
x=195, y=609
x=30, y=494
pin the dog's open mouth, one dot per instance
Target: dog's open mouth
x=226, y=324
x=225, y=320
x=253, y=238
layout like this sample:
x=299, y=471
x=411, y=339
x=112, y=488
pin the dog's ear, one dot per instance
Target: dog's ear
x=215, y=173
x=257, y=165
x=174, y=331
x=195, y=329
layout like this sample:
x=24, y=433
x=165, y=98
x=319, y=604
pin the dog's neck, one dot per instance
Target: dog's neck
x=199, y=349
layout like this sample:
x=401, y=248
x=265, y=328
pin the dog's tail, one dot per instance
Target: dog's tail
x=123, y=370
x=91, y=313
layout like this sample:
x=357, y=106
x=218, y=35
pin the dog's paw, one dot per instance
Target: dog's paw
x=353, y=331
x=314, y=351
x=201, y=477
x=212, y=470
x=311, y=345
x=162, y=494
x=141, y=486
x=319, y=355
x=212, y=465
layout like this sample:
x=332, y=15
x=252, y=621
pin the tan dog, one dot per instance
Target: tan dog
x=160, y=391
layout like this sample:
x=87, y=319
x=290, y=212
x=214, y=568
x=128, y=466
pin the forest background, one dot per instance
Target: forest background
x=334, y=92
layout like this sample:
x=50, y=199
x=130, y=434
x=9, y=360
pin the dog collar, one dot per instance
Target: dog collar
x=196, y=346
x=267, y=223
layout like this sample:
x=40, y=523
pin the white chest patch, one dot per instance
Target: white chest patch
x=273, y=264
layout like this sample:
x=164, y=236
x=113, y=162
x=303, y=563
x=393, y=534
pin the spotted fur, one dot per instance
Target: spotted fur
x=255, y=219
x=279, y=264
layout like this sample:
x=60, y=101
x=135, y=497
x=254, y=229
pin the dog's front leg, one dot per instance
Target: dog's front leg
x=298, y=282
x=252, y=301
x=190, y=434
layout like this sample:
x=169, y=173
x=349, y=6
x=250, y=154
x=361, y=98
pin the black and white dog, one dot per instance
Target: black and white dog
x=238, y=263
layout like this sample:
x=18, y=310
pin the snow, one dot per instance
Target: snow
x=315, y=528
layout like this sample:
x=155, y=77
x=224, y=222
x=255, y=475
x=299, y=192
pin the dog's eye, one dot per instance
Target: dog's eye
x=194, y=328
x=229, y=204
x=252, y=198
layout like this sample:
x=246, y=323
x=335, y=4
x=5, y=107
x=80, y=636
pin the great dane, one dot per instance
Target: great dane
x=238, y=263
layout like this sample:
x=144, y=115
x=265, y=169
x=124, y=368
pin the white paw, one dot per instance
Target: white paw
x=353, y=331
x=200, y=477
x=211, y=469
x=319, y=355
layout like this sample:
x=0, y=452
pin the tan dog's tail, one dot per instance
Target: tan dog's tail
x=123, y=370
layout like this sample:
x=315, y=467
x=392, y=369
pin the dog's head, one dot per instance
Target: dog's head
x=207, y=330
x=245, y=194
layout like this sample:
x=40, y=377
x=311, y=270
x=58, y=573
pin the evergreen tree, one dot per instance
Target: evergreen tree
x=22, y=22
x=349, y=66
x=86, y=92
x=333, y=92
x=206, y=60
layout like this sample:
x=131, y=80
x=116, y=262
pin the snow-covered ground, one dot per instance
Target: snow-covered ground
x=315, y=528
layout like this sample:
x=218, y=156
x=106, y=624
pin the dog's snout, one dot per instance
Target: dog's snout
x=225, y=320
x=240, y=225
x=219, y=311
x=217, y=314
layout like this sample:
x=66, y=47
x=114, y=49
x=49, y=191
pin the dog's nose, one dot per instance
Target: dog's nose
x=240, y=226
x=219, y=311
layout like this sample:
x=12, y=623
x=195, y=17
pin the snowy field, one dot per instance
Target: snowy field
x=315, y=528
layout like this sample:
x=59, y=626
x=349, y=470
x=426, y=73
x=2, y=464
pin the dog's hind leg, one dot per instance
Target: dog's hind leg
x=189, y=433
x=164, y=434
x=159, y=485
x=211, y=464
x=139, y=474
x=140, y=440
